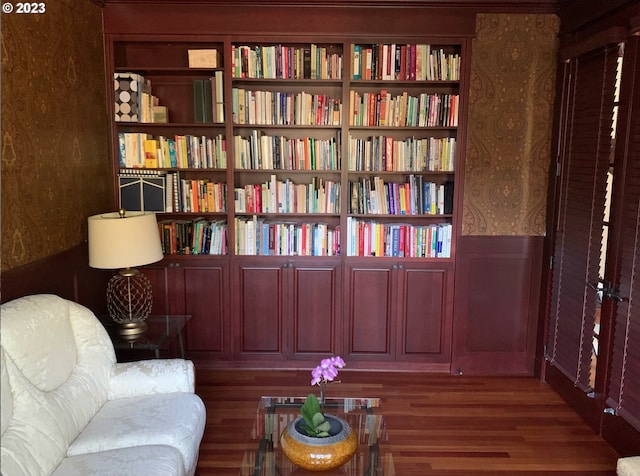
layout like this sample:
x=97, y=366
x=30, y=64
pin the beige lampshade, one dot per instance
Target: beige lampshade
x=116, y=242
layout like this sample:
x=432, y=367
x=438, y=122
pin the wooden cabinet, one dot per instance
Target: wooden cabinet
x=199, y=288
x=398, y=312
x=286, y=309
x=323, y=170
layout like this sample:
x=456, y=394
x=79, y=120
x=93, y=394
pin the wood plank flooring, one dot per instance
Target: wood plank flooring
x=437, y=424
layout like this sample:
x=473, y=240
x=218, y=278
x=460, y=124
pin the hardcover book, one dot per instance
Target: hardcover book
x=142, y=191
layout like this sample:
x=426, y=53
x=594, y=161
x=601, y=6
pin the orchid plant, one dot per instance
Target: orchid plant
x=312, y=413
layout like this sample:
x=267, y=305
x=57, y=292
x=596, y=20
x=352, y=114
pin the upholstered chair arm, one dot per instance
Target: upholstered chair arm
x=147, y=377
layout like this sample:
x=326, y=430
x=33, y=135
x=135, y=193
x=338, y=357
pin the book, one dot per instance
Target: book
x=207, y=99
x=198, y=101
x=218, y=96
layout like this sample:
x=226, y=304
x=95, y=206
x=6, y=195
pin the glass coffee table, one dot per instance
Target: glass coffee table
x=264, y=457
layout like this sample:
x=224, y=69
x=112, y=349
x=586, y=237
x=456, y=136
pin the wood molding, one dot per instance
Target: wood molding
x=493, y=6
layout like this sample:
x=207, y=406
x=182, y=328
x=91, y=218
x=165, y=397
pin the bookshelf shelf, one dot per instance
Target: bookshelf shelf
x=174, y=71
x=175, y=126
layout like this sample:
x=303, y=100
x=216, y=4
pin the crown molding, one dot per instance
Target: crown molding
x=505, y=6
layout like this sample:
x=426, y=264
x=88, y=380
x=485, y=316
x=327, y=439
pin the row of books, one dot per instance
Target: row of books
x=402, y=110
x=168, y=192
x=385, y=153
x=277, y=196
x=260, y=151
x=134, y=101
x=139, y=150
x=285, y=108
x=285, y=62
x=404, y=62
x=370, y=238
x=372, y=195
x=193, y=237
x=197, y=195
x=260, y=237
x=162, y=191
x=208, y=99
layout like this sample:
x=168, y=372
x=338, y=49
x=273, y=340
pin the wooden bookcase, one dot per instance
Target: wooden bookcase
x=314, y=263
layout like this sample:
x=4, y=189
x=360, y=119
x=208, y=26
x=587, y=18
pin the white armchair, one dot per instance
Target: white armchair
x=68, y=408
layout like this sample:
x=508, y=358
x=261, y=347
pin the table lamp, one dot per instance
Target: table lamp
x=123, y=240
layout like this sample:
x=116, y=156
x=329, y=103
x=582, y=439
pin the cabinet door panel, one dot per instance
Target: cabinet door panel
x=260, y=310
x=423, y=305
x=369, y=325
x=316, y=304
x=206, y=303
x=168, y=289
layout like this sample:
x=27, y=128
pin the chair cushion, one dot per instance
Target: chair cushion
x=153, y=460
x=33, y=329
x=629, y=466
x=174, y=419
x=58, y=359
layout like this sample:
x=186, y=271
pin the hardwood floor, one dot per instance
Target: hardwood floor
x=437, y=424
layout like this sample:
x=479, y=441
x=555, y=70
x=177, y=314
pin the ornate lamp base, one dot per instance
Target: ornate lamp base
x=129, y=301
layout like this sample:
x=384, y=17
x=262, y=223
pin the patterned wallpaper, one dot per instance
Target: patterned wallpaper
x=510, y=120
x=55, y=139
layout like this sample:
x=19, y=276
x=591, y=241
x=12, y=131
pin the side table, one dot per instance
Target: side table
x=160, y=335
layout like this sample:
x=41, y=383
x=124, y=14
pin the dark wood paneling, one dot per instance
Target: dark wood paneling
x=496, y=304
x=263, y=19
x=259, y=312
x=65, y=274
x=423, y=311
x=496, y=6
x=206, y=301
x=371, y=296
x=316, y=305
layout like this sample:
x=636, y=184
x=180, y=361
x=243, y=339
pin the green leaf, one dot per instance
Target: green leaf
x=309, y=409
x=324, y=427
x=317, y=419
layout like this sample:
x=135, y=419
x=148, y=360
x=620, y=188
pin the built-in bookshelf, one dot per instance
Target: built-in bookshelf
x=312, y=179
x=303, y=149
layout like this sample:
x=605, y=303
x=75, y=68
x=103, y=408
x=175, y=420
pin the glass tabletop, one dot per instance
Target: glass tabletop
x=162, y=330
x=264, y=456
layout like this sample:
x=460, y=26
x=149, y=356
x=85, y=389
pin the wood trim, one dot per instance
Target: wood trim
x=492, y=6
x=588, y=41
x=264, y=20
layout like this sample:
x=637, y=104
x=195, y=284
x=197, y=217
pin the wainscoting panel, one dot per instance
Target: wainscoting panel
x=496, y=304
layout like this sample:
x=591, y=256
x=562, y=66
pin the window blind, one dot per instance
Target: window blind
x=585, y=145
x=624, y=386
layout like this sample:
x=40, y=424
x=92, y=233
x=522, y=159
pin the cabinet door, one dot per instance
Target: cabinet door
x=167, y=285
x=370, y=302
x=258, y=316
x=315, y=324
x=422, y=305
x=206, y=300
